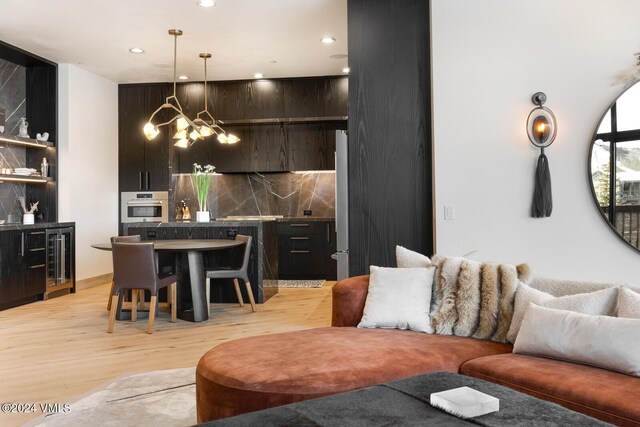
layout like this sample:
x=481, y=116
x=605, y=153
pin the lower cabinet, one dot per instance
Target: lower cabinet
x=304, y=250
x=23, y=262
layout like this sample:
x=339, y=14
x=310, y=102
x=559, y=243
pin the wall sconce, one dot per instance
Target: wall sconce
x=541, y=129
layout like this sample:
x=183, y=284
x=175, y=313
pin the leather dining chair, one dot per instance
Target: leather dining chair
x=239, y=269
x=135, y=267
x=134, y=238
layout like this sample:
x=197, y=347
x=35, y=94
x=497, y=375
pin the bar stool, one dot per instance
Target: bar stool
x=239, y=269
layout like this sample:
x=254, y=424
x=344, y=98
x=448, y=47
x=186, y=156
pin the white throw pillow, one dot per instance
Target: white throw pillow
x=595, y=303
x=406, y=258
x=398, y=298
x=604, y=341
x=628, y=304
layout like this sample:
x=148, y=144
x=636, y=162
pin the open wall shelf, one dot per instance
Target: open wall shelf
x=25, y=142
x=24, y=179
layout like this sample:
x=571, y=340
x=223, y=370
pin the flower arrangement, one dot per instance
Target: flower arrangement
x=201, y=178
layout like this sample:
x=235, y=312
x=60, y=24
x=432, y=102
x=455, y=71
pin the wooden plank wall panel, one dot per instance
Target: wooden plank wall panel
x=390, y=199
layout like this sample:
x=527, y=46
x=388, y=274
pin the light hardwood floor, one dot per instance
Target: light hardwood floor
x=54, y=351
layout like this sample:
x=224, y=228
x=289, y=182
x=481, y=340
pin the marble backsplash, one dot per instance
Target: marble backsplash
x=13, y=102
x=284, y=193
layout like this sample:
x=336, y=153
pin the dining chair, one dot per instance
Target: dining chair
x=133, y=238
x=239, y=269
x=135, y=267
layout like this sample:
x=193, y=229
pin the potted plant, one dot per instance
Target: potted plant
x=201, y=178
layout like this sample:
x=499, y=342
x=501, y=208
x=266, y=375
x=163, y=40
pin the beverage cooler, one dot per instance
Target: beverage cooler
x=60, y=258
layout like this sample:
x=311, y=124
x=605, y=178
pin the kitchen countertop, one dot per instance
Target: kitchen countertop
x=36, y=226
x=224, y=222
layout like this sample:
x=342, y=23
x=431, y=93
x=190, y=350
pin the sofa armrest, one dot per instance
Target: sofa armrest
x=349, y=296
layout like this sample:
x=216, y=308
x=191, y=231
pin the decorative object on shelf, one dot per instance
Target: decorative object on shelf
x=541, y=129
x=186, y=130
x=42, y=137
x=212, y=128
x=28, y=215
x=44, y=168
x=201, y=178
x=22, y=128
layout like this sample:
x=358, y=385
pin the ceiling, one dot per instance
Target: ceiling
x=244, y=36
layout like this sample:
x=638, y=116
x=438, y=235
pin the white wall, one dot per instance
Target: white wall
x=489, y=57
x=88, y=164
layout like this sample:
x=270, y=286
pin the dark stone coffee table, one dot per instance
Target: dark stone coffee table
x=406, y=402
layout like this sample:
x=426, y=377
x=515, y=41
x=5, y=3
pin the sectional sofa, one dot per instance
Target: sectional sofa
x=256, y=373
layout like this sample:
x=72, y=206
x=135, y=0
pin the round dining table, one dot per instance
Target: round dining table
x=194, y=249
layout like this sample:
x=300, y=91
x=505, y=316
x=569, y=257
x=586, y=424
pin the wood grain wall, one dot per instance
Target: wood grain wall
x=390, y=162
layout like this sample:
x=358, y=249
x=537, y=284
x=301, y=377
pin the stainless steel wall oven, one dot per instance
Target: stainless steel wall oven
x=148, y=206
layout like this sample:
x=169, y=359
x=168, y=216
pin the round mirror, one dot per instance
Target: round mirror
x=614, y=166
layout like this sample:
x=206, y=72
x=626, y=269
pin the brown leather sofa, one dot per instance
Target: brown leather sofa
x=256, y=373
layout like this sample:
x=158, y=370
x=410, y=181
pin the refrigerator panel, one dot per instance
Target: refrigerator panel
x=342, y=194
x=342, y=206
x=342, y=259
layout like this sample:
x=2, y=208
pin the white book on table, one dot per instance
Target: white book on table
x=465, y=402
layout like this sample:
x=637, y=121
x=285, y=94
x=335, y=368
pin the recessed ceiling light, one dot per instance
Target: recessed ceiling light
x=258, y=75
x=183, y=77
x=345, y=70
x=328, y=40
x=206, y=3
x=136, y=50
x=339, y=56
x=273, y=62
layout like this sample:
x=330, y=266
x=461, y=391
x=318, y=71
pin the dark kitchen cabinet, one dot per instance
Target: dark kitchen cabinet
x=264, y=99
x=283, y=125
x=305, y=248
x=22, y=267
x=143, y=164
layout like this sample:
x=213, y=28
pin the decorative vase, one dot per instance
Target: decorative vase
x=27, y=218
x=203, y=216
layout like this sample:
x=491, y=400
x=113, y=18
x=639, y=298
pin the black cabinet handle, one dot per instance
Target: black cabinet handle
x=33, y=233
x=299, y=252
x=140, y=181
x=36, y=249
x=22, y=244
x=148, y=180
x=299, y=238
x=299, y=225
x=328, y=234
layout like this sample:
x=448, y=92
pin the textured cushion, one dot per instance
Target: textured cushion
x=604, y=341
x=601, y=302
x=406, y=258
x=474, y=299
x=398, y=298
x=249, y=374
x=628, y=303
x=606, y=395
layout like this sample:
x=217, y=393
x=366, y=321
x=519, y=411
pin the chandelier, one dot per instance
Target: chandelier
x=208, y=125
x=187, y=131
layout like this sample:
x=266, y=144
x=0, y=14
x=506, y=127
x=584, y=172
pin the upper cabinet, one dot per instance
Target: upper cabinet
x=283, y=124
x=143, y=165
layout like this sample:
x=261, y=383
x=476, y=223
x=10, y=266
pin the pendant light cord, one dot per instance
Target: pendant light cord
x=175, y=53
x=206, y=106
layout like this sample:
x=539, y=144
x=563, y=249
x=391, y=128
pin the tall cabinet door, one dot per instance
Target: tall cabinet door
x=11, y=266
x=156, y=176
x=131, y=117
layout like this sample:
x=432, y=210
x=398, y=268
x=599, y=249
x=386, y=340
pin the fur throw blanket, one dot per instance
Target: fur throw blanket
x=474, y=299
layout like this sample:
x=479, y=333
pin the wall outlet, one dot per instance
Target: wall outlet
x=449, y=212
x=308, y=212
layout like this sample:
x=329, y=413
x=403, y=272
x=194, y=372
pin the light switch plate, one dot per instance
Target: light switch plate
x=449, y=212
